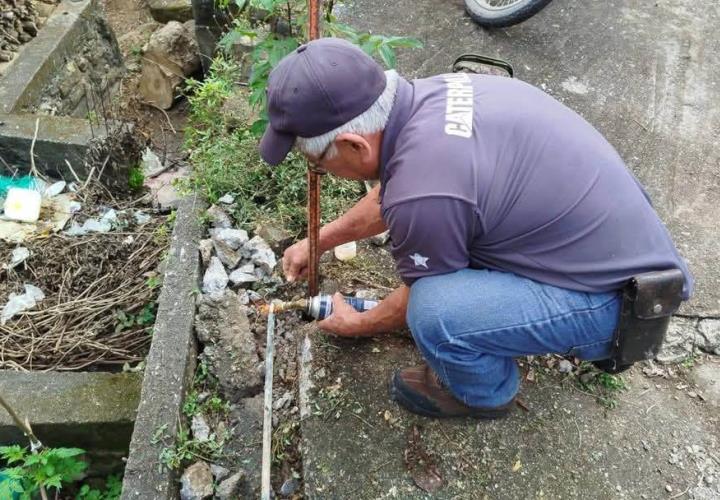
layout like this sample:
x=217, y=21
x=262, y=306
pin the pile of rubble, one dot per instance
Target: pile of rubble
x=232, y=260
x=231, y=256
x=19, y=23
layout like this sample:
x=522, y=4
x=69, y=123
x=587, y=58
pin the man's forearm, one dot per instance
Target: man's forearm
x=387, y=316
x=363, y=220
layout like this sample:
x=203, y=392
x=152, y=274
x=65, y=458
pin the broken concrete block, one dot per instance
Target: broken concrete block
x=261, y=254
x=218, y=217
x=239, y=277
x=215, y=278
x=277, y=237
x=229, y=257
x=206, y=248
x=710, y=333
x=228, y=489
x=197, y=482
x=200, y=428
x=230, y=349
x=234, y=238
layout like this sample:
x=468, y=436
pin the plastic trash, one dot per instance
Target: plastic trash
x=22, y=204
x=346, y=251
x=55, y=189
x=19, y=303
x=26, y=182
x=151, y=164
x=17, y=257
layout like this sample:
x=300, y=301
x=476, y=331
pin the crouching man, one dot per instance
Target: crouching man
x=515, y=225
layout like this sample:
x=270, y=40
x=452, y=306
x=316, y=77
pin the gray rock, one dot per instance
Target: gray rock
x=228, y=199
x=228, y=489
x=218, y=217
x=170, y=10
x=219, y=472
x=565, y=366
x=200, y=428
x=283, y=401
x=229, y=257
x=243, y=298
x=230, y=349
x=253, y=296
x=710, y=335
x=680, y=341
x=247, y=268
x=380, y=239
x=215, y=279
x=289, y=487
x=234, y=238
x=239, y=277
x=206, y=248
x=197, y=482
x=261, y=254
x=277, y=237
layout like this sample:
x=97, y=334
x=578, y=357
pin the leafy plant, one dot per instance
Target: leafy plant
x=112, y=491
x=136, y=179
x=289, y=19
x=187, y=448
x=48, y=468
x=126, y=320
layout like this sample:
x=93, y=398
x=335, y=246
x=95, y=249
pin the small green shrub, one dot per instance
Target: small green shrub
x=229, y=162
x=50, y=468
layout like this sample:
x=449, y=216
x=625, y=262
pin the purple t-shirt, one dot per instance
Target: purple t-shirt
x=489, y=172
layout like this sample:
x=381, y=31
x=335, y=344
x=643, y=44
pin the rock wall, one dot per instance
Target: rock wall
x=84, y=81
x=19, y=23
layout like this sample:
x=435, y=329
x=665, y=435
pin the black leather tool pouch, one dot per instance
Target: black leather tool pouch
x=482, y=65
x=649, y=300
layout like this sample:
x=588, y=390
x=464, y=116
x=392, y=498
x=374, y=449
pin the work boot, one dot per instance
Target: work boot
x=420, y=391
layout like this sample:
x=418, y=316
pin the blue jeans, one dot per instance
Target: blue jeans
x=470, y=324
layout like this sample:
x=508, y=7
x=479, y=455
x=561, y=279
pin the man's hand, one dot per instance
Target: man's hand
x=387, y=316
x=344, y=321
x=295, y=261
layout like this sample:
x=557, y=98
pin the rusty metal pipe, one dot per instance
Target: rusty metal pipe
x=313, y=180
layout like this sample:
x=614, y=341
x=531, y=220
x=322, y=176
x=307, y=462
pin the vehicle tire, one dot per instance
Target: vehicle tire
x=500, y=13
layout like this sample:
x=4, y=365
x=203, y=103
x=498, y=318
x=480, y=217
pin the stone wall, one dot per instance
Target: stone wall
x=85, y=76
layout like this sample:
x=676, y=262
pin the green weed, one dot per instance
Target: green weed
x=136, y=179
x=50, y=468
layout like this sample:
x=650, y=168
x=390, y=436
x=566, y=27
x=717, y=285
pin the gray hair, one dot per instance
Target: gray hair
x=371, y=121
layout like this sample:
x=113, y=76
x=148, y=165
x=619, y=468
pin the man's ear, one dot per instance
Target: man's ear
x=356, y=142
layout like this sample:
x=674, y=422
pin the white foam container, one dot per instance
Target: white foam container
x=22, y=204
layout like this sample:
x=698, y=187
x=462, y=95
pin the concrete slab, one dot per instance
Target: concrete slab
x=566, y=446
x=59, y=139
x=170, y=363
x=85, y=410
x=644, y=72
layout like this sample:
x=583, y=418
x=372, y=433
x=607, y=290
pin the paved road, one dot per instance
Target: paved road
x=644, y=72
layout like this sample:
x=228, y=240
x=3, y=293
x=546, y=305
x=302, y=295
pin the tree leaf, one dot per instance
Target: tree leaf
x=387, y=55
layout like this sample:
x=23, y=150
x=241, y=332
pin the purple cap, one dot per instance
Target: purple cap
x=315, y=89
